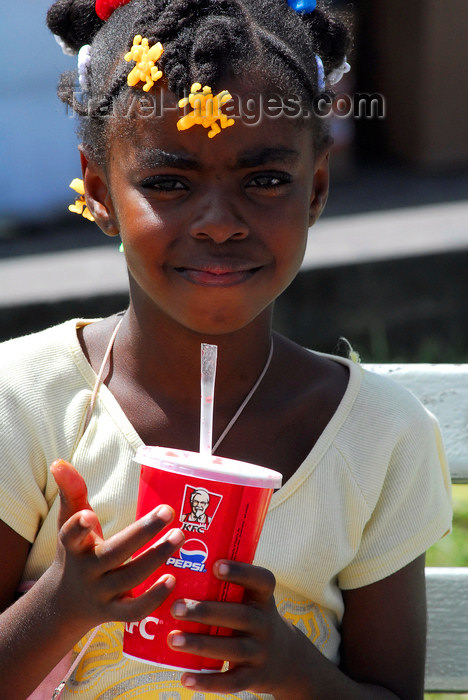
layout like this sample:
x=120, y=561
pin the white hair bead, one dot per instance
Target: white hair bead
x=335, y=75
x=84, y=61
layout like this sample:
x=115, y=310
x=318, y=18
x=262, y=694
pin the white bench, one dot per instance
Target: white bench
x=444, y=390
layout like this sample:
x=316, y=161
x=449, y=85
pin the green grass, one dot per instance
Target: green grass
x=444, y=696
x=452, y=551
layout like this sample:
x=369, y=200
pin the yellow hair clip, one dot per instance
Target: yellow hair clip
x=80, y=203
x=206, y=110
x=145, y=58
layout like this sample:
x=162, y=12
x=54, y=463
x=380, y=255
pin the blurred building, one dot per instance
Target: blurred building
x=416, y=54
x=37, y=143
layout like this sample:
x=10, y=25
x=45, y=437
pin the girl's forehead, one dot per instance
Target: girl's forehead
x=158, y=143
x=266, y=127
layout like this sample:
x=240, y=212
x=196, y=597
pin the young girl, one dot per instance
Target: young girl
x=212, y=201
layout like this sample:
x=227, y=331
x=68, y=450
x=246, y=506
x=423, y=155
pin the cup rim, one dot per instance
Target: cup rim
x=213, y=467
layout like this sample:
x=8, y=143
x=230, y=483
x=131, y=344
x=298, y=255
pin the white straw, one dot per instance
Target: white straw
x=209, y=355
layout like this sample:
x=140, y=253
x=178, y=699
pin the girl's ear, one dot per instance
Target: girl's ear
x=321, y=184
x=97, y=195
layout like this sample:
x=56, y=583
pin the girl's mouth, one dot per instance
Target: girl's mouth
x=218, y=274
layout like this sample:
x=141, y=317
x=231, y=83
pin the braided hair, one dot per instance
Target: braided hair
x=204, y=41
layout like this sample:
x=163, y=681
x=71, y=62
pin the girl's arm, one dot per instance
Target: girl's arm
x=383, y=643
x=384, y=631
x=13, y=554
x=85, y=586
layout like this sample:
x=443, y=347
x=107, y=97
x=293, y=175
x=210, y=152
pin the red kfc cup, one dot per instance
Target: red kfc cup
x=220, y=504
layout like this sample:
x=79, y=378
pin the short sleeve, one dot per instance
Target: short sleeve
x=23, y=470
x=413, y=509
x=42, y=402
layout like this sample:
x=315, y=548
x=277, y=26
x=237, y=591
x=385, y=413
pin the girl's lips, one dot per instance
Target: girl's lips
x=218, y=275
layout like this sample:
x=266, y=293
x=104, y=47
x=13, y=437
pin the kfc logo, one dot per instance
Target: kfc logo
x=198, y=508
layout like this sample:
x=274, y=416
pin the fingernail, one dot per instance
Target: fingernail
x=178, y=640
x=223, y=569
x=179, y=609
x=168, y=581
x=85, y=521
x=164, y=513
x=57, y=464
x=189, y=681
x=175, y=536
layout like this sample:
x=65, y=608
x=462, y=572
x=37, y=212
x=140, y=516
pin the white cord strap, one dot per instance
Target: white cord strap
x=99, y=377
x=245, y=401
x=58, y=690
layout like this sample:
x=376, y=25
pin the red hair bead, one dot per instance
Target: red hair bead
x=104, y=8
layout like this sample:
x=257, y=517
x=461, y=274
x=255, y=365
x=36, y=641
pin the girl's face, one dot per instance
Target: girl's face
x=213, y=229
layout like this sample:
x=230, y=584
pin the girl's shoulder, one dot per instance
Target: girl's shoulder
x=362, y=397
x=301, y=370
x=37, y=341
x=19, y=352
x=31, y=361
x=381, y=433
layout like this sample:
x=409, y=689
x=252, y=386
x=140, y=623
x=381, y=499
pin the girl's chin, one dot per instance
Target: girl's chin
x=218, y=322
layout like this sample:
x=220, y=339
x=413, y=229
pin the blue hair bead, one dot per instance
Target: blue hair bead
x=320, y=73
x=303, y=6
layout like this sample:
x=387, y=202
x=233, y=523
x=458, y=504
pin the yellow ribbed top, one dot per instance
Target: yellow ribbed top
x=372, y=495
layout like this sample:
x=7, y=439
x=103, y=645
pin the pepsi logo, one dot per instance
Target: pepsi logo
x=192, y=556
x=194, y=551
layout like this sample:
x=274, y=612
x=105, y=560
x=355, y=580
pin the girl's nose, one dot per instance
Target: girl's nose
x=218, y=220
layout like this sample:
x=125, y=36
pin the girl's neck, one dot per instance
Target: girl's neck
x=164, y=357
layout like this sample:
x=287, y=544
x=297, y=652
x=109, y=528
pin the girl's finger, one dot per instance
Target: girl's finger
x=120, y=547
x=72, y=490
x=232, y=681
x=80, y=533
x=129, y=609
x=235, y=616
x=234, y=649
x=137, y=570
x=259, y=582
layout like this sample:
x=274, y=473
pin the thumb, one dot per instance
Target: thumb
x=72, y=489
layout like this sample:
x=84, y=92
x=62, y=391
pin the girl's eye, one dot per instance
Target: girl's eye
x=163, y=184
x=269, y=182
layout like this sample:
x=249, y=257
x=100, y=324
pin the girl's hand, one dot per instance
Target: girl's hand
x=265, y=651
x=92, y=577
